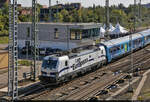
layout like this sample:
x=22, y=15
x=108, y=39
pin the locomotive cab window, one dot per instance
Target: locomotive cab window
x=102, y=52
x=66, y=63
x=89, y=56
x=50, y=64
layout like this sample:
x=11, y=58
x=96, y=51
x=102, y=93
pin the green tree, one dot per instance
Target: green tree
x=118, y=16
x=66, y=17
x=58, y=17
x=76, y=14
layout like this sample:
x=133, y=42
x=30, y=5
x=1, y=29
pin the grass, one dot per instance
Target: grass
x=4, y=40
x=24, y=63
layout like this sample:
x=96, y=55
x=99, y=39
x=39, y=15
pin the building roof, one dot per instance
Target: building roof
x=111, y=27
x=62, y=23
x=73, y=25
x=102, y=30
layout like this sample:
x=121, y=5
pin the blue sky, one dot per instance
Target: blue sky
x=84, y=3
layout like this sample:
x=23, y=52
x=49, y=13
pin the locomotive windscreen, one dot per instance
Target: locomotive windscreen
x=51, y=64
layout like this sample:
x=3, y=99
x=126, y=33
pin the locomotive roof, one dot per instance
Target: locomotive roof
x=78, y=52
x=117, y=41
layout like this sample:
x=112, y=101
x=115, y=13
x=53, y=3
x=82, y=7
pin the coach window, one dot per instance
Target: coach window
x=122, y=47
x=114, y=50
x=140, y=40
x=56, y=33
x=110, y=50
x=129, y=44
x=118, y=48
x=145, y=38
x=149, y=37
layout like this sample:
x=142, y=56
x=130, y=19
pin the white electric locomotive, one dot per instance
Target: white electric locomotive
x=57, y=68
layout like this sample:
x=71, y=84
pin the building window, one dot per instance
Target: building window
x=102, y=52
x=75, y=34
x=28, y=32
x=56, y=33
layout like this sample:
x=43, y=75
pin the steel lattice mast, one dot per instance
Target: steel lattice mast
x=50, y=11
x=13, y=51
x=107, y=14
x=34, y=41
x=130, y=89
x=107, y=19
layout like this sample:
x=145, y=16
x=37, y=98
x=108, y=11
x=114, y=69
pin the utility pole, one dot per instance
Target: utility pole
x=50, y=11
x=94, y=8
x=107, y=18
x=130, y=89
x=57, y=11
x=134, y=15
x=13, y=51
x=107, y=14
x=139, y=10
x=68, y=31
x=34, y=41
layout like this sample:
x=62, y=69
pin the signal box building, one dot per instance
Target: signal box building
x=63, y=36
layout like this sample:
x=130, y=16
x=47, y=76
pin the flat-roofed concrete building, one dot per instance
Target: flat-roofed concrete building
x=60, y=35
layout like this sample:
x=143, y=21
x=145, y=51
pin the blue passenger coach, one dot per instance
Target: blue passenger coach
x=146, y=35
x=117, y=47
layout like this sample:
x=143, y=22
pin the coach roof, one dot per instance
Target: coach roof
x=118, y=41
x=145, y=32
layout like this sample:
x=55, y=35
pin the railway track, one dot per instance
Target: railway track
x=96, y=87
x=81, y=91
x=84, y=94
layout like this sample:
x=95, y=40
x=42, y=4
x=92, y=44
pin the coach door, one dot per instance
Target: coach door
x=126, y=47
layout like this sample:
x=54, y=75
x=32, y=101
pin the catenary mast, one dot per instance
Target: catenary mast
x=13, y=51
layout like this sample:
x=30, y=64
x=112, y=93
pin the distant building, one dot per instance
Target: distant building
x=19, y=5
x=25, y=11
x=60, y=35
x=59, y=7
x=146, y=5
x=44, y=6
